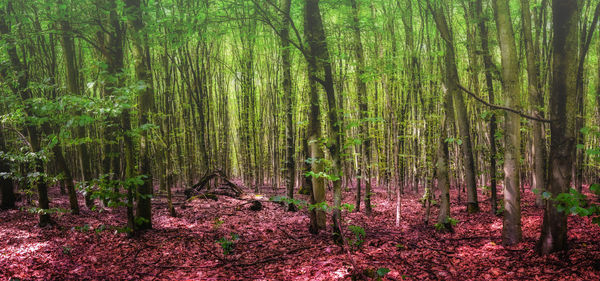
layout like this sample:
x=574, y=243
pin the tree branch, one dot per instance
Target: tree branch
x=522, y=114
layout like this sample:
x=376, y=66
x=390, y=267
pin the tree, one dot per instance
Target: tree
x=563, y=110
x=460, y=110
x=488, y=65
x=313, y=37
x=144, y=76
x=23, y=90
x=286, y=84
x=6, y=183
x=450, y=87
x=536, y=100
x=511, y=231
x=320, y=72
x=361, y=89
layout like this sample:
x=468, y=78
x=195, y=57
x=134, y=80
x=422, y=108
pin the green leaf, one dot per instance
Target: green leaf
x=546, y=195
x=382, y=271
x=595, y=188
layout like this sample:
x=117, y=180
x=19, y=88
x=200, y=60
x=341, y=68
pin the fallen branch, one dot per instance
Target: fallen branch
x=522, y=114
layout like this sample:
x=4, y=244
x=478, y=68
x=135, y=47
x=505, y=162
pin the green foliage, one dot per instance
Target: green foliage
x=321, y=175
x=139, y=220
x=442, y=226
x=228, y=243
x=284, y=199
x=348, y=207
x=382, y=271
x=40, y=211
x=109, y=190
x=577, y=203
x=320, y=206
x=84, y=228
x=359, y=236
x=66, y=250
x=500, y=210
x=453, y=140
x=217, y=223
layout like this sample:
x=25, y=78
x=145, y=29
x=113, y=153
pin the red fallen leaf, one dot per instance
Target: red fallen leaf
x=495, y=271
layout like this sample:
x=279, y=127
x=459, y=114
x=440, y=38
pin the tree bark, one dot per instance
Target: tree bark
x=312, y=18
x=536, y=100
x=460, y=110
x=361, y=91
x=320, y=61
x=146, y=100
x=290, y=161
x=564, y=111
x=511, y=231
x=488, y=64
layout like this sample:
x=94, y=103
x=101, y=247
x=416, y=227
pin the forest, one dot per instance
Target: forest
x=300, y=140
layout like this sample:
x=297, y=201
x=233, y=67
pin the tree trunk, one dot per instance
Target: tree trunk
x=290, y=161
x=312, y=14
x=361, y=91
x=511, y=231
x=536, y=100
x=460, y=110
x=487, y=63
x=318, y=61
x=564, y=110
x=443, y=181
x=6, y=183
x=146, y=101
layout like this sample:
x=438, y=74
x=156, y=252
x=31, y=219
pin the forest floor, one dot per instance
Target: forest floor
x=274, y=244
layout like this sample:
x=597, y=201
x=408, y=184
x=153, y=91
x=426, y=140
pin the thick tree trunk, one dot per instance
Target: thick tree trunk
x=564, y=110
x=511, y=231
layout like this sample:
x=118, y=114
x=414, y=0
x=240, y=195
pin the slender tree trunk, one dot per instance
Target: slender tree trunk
x=73, y=86
x=443, y=181
x=361, y=89
x=536, y=100
x=146, y=100
x=586, y=40
x=564, y=110
x=460, y=110
x=312, y=24
x=290, y=161
x=319, y=56
x=511, y=231
x=487, y=63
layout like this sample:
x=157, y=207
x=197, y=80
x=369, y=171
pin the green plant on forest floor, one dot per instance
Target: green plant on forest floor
x=359, y=236
x=228, y=243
